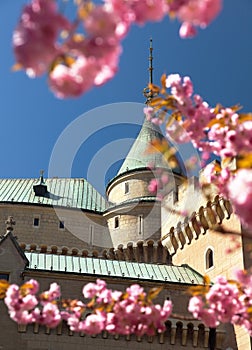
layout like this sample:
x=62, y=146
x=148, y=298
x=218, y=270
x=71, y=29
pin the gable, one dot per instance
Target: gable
x=12, y=259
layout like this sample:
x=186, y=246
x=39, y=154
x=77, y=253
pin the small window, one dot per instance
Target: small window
x=116, y=222
x=209, y=259
x=36, y=222
x=126, y=188
x=91, y=234
x=176, y=194
x=4, y=276
x=140, y=224
x=61, y=225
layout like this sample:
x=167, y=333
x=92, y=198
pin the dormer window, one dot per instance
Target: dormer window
x=40, y=187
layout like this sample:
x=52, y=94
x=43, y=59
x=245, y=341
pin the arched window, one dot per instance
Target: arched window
x=209, y=258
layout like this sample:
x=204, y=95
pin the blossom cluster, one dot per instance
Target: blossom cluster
x=25, y=307
x=212, y=130
x=85, y=53
x=129, y=312
x=226, y=302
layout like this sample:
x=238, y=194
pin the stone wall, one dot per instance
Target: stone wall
x=137, y=186
x=81, y=230
x=139, y=221
x=138, y=183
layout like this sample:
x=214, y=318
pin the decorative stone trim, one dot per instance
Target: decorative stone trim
x=141, y=251
x=199, y=222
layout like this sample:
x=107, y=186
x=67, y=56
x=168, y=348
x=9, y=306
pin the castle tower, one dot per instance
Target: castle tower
x=134, y=214
x=134, y=211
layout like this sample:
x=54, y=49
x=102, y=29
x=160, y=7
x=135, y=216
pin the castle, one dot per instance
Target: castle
x=63, y=230
x=67, y=232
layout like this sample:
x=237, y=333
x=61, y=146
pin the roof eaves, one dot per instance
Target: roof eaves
x=131, y=201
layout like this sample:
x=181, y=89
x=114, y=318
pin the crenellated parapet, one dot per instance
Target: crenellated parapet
x=148, y=251
x=197, y=224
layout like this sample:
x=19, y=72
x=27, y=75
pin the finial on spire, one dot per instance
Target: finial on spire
x=147, y=92
x=150, y=63
x=41, y=176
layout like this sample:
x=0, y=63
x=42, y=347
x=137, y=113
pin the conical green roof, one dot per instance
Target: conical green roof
x=139, y=157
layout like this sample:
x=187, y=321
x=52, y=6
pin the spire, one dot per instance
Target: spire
x=139, y=157
x=150, y=63
x=147, y=92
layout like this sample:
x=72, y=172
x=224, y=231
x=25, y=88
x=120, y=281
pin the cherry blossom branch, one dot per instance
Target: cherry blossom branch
x=212, y=130
x=89, y=57
x=129, y=312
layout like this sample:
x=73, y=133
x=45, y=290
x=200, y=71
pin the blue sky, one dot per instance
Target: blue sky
x=218, y=60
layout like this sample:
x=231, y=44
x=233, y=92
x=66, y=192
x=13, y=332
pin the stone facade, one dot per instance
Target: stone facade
x=82, y=230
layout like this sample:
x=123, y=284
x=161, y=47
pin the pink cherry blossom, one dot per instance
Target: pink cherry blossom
x=174, y=6
x=226, y=302
x=122, y=9
x=197, y=113
x=199, y=12
x=240, y=193
x=226, y=140
x=187, y=30
x=153, y=185
x=107, y=66
x=105, y=24
x=72, y=81
x=92, y=289
x=38, y=49
x=52, y=294
x=245, y=278
x=35, y=37
x=94, y=323
x=149, y=10
x=20, y=307
x=49, y=315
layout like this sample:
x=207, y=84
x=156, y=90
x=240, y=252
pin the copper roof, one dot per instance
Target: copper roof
x=64, y=192
x=114, y=268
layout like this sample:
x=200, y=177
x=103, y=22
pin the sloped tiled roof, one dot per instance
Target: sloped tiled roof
x=139, y=158
x=113, y=268
x=63, y=192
